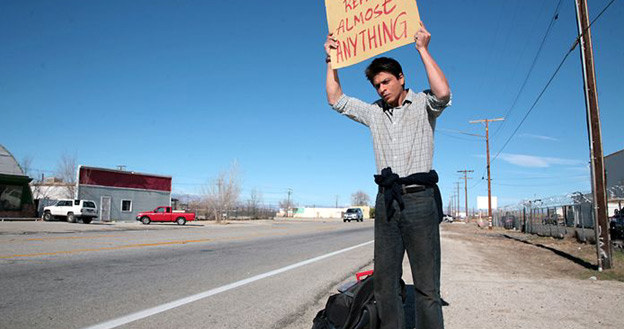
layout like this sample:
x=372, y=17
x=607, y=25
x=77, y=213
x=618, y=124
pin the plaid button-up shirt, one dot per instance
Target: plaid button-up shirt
x=403, y=135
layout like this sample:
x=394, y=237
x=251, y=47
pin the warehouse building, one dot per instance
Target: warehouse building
x=121, y=194
x=614, y=168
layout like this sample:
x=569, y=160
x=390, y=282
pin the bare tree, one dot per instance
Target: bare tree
x=360, y=198
x=253, y=203
x=198, y=207
x=26, y=165
x=66, y=171
x=287, y=205
x=222, y=193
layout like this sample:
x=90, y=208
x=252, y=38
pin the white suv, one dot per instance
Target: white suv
x=72, y=210
x=353, y=214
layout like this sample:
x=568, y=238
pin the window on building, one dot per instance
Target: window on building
x=126, y=205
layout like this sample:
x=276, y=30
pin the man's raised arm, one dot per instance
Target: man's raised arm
x=437, y=81
x=332, y=85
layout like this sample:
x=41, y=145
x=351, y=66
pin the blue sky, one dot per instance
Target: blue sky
x=184, y=88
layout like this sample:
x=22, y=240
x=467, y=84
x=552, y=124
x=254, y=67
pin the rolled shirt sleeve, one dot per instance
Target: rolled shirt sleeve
x=355, y=109
x=435, y=106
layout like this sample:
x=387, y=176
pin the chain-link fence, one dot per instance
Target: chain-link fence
x=557, y=216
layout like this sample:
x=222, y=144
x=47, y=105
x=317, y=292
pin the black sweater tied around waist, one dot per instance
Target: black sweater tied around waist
x=391, y=184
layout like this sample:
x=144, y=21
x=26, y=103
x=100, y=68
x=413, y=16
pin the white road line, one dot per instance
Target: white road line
x=183, y=301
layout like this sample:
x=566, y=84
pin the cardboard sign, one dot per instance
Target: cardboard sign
x=365, y=28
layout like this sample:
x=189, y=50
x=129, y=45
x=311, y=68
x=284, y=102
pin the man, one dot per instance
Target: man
x=402, y=123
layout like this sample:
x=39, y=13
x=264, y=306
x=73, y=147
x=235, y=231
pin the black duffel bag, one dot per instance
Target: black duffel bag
x=352, y=308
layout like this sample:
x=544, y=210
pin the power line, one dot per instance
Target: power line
x=481, y=180
x=458, y=137
x=535, y=102
x=533, y=32
x=532, y=185
x=543, y=177
x=526, y=78
x=498, y=29
x=576, y=41
x=553, y=19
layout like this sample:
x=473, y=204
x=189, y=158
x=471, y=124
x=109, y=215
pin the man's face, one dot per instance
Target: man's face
x=389, y=87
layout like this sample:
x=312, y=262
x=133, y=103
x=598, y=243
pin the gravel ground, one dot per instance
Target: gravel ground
x=493, y=281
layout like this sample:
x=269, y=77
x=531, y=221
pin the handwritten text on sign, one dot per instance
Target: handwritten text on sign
x=365, y=28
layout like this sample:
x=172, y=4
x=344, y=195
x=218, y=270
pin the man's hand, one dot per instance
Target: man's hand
x=437, y=80
x=421, y=38
x=332, y=86
x=330, y=43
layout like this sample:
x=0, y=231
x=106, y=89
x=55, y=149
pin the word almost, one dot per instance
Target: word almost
x=391, y=29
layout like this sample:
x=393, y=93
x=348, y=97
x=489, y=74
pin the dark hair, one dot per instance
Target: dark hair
x=383, y=64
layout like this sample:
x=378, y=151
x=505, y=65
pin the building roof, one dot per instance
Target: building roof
x=616, y=153
x=123, y=179
x=8, y=164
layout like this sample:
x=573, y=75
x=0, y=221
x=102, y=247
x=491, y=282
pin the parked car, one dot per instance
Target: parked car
x=165, y=214
x=71, y=210
x=508, y=221
x=552, y=219
x=447, y=218
x=617, y=227
x=353, y=214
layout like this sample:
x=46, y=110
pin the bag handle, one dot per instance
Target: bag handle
x=363, y=275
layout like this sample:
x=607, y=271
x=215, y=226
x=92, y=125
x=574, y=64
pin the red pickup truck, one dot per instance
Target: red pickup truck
x=165, y=214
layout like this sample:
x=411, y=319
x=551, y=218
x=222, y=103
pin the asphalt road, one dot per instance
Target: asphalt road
x=269, y=275
x=59, y=275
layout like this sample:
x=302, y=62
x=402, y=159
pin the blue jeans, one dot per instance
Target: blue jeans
x=415, y=230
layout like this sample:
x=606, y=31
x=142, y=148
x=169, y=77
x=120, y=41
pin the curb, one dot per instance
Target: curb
x=15, y=219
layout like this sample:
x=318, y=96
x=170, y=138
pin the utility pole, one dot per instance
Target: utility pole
x=458, y=208
x=457, y=204
x=288, y=202
x=466, y=178
x=450, y=206
x=601, y=226
x=487, y=147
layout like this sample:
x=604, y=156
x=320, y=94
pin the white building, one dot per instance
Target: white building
x=320, y=212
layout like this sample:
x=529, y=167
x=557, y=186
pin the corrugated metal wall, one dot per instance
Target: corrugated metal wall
x=614, y=165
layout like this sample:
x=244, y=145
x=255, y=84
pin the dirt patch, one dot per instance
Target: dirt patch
x=536, y=256
x=496, y=279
